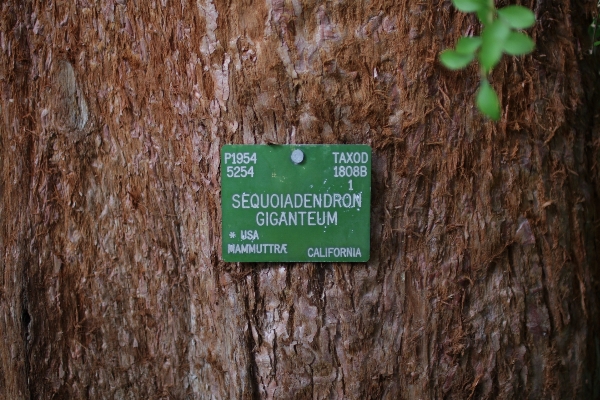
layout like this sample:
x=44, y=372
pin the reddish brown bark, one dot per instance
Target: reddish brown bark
x=483, y=279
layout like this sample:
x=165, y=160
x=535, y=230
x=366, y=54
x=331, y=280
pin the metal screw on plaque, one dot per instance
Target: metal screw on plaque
x=297, y=156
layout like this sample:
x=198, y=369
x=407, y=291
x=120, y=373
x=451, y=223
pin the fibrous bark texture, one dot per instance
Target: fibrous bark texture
x=483, y=278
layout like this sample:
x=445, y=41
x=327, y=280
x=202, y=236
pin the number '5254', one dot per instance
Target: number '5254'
x=241, y=171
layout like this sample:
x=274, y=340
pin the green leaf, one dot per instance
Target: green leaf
x=494, y=35
x=487, y=101
x=453, y=60
x=517, y=17
x=469, y=5
x=485, y=15
x=597, y=43
x=594, y=29
x=468, y=45
x=518, y=43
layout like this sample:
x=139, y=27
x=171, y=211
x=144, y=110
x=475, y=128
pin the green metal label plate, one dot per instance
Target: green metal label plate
x=301, y=203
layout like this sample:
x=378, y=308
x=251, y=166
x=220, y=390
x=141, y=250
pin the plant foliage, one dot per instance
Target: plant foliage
x=500, y=35
x=594, y=31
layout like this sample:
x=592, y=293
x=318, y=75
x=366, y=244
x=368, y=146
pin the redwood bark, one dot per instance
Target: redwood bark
x=484, y=270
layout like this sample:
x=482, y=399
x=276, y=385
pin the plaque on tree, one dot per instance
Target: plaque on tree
x=304, y=203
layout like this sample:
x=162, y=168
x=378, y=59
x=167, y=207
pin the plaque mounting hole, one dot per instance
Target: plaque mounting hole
x=297, y=156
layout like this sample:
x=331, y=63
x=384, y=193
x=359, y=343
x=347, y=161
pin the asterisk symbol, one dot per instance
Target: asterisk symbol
x=232, y=235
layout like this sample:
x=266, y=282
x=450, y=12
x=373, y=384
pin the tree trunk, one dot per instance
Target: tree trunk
x=484, y=269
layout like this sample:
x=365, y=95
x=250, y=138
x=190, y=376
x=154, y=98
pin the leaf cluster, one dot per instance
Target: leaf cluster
x=500, y=35
x=594, y=31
